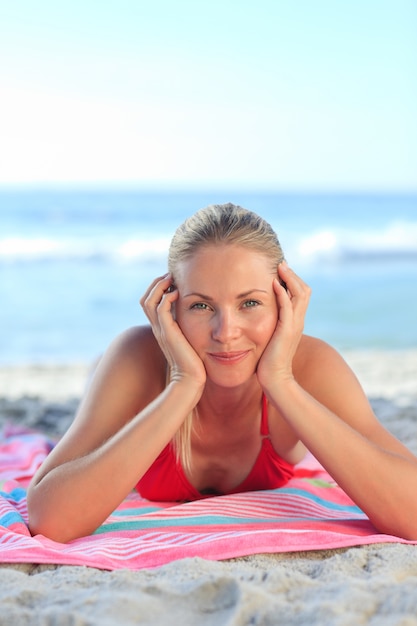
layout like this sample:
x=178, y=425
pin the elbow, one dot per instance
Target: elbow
x=39, y=526
x=408, y=532
x=403, y=527
x=43, y=521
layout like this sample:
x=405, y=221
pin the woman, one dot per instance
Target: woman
x=221, y=393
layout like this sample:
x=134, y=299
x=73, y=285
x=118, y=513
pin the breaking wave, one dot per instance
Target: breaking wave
x=396, y=242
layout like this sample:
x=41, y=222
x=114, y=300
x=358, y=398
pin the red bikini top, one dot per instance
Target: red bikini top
x=165, y=480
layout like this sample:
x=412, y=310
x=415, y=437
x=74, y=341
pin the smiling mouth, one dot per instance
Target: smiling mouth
x=229, y=358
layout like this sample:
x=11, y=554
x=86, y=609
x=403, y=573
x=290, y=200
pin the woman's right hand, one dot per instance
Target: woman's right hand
x=157, y=303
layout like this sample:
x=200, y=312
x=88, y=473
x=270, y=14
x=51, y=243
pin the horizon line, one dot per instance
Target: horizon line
x=207, y=186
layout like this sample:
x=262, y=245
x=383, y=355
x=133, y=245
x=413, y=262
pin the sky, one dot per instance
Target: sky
x=294, y=94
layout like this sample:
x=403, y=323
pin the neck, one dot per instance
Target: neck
x=218, y=404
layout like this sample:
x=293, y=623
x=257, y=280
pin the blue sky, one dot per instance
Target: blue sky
x=301, y=94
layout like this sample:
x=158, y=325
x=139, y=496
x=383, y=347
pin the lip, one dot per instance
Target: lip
x=229, y=358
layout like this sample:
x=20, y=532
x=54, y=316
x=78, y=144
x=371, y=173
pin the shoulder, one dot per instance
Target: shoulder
x=136, y=342
x=133, y=360
x=312, y=351
x=322, y=371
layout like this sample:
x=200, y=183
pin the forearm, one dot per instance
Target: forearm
x=74, y=498
x=382, y=483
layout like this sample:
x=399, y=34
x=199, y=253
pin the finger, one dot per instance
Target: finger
x=166, y=301
x=285, y=308
x=152, y=286
x=293, y=308
x=165, y=316
x=155, y=291
x=296, y=286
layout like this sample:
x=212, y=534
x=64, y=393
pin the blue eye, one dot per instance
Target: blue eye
x=250, y=303
x=199, y=305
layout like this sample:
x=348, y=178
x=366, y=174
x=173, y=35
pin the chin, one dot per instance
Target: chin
x=230, y=379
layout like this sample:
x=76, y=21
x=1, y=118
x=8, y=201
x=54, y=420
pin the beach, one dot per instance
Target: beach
x=373, y=584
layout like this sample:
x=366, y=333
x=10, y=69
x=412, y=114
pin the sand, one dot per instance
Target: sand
x=374, y=584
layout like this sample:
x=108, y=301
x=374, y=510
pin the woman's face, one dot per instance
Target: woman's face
x=227, y=309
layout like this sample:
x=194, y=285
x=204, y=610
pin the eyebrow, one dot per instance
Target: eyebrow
x=238, y=297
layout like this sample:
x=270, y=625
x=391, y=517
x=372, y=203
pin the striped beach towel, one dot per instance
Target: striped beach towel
x=310, y=513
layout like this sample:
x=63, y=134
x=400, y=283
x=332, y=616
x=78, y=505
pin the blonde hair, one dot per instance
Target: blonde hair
x=223, y=223
x=218, y=224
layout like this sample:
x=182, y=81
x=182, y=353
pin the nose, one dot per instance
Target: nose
x=225, y=327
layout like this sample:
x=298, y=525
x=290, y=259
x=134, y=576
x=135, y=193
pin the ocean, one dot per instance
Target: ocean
x=75, y=262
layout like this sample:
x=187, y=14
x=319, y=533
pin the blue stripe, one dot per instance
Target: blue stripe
x=206, y=520
x=224, y=520
x=349, y=508
x=136, y=512
x=17, y=494
x=11, y=518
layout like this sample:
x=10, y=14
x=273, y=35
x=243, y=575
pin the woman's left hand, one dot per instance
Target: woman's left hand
x=275, y=365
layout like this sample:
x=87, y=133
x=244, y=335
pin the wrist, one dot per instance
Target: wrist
x=281, y=390
x=275, y=380
x=188, y=387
